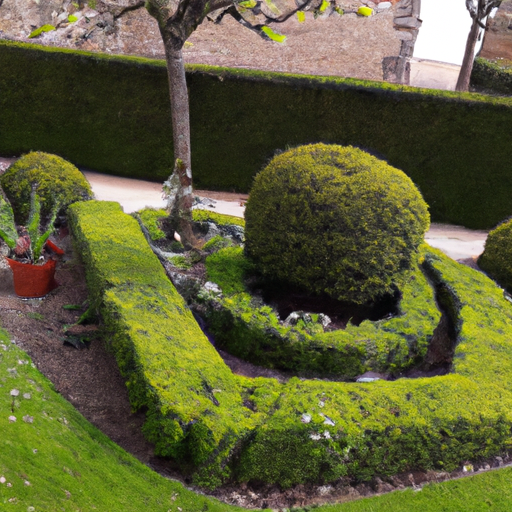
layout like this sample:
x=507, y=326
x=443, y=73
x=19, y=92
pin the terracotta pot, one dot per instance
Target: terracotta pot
x=33, y=281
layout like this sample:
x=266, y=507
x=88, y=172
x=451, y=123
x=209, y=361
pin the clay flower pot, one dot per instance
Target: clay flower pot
x=33, y=281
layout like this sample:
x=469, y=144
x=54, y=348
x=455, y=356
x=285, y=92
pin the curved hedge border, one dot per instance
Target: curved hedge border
x=254, y=332
x=229, y=427
x=455, y=147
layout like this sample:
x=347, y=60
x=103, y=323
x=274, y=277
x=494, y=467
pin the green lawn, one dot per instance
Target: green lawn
x=52, y=459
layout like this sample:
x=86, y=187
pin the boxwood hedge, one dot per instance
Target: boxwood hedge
x=222, y=426
x=193, y=402
x=253, y=331
x=454, y=146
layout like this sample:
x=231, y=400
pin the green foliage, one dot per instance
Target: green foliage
x=334, y=220
x=216, y=243
x=72, y=18
x=57, y=182
x=228, y=268
x=180, y=262
x=130, y=135
x=40, y=30
x=171, y=368
x=274, y=36
x=8, y=231
x=496, y=259
x=218, y=218
x=244, y=327
x=151, y=218
x=365, y=11
x=492, y=76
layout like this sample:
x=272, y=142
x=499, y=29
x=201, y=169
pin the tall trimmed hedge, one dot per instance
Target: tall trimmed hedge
x=111, y=114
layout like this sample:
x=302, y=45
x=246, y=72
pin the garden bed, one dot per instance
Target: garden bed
x=226, y=428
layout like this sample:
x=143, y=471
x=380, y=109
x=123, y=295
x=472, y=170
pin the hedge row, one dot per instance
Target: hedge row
x=260, y=430
x=111, y=114
x=253, y=332
x=491, y=77
x=193, y=402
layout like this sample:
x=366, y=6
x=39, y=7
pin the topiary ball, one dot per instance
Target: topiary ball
x=496, y=259
x=334, y=220
x=58, y=181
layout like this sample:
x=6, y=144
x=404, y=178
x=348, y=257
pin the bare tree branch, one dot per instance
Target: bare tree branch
x=139, y=5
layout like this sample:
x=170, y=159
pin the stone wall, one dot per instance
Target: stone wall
x=347, y=45
x=378, y=47
x=498, y=38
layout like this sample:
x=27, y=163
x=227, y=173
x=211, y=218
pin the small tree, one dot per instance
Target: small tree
x=177, y=19
x=478, y=10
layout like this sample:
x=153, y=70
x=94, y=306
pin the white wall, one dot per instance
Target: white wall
x=443, y=34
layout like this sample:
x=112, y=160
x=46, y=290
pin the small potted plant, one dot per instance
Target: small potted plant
x=30, y=251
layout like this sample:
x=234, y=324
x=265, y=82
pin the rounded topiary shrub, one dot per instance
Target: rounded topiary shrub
x=334, y=220
x=57, y=181
x=496, y=259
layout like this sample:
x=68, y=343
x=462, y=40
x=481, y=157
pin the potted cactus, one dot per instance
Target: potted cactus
x=30, y=251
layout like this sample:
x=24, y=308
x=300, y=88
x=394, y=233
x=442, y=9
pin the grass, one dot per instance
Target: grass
x=52, y=459
x=487, y=491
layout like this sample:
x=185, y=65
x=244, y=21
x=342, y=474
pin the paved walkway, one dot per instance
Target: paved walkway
x=457, y=242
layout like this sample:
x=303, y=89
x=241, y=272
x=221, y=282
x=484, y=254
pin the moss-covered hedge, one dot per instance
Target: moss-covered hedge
x=230, y=427
x=255, y=333
x=492, y=77
x=194, y=406
x=318, y=430
x=455, y=147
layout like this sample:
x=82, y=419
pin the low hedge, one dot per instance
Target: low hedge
x=383, y=428
x=299, y=431
x=193, y=402
x=454, y=146
x=255, y=332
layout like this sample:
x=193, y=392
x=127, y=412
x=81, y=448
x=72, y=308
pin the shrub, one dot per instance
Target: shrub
x=248, y=329
x=58, y=181
x=496, y=259
x=334, y=219
x=492, y=76
x=151, y=218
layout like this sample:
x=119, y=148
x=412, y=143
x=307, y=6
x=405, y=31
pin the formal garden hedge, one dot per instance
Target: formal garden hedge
x=492, y=76
x=254, y=333
x=224, y=427
x=111, y=114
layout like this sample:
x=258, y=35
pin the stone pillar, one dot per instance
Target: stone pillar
x=406, y=22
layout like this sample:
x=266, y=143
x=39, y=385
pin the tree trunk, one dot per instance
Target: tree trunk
x=181, y=209
x=467, y=62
